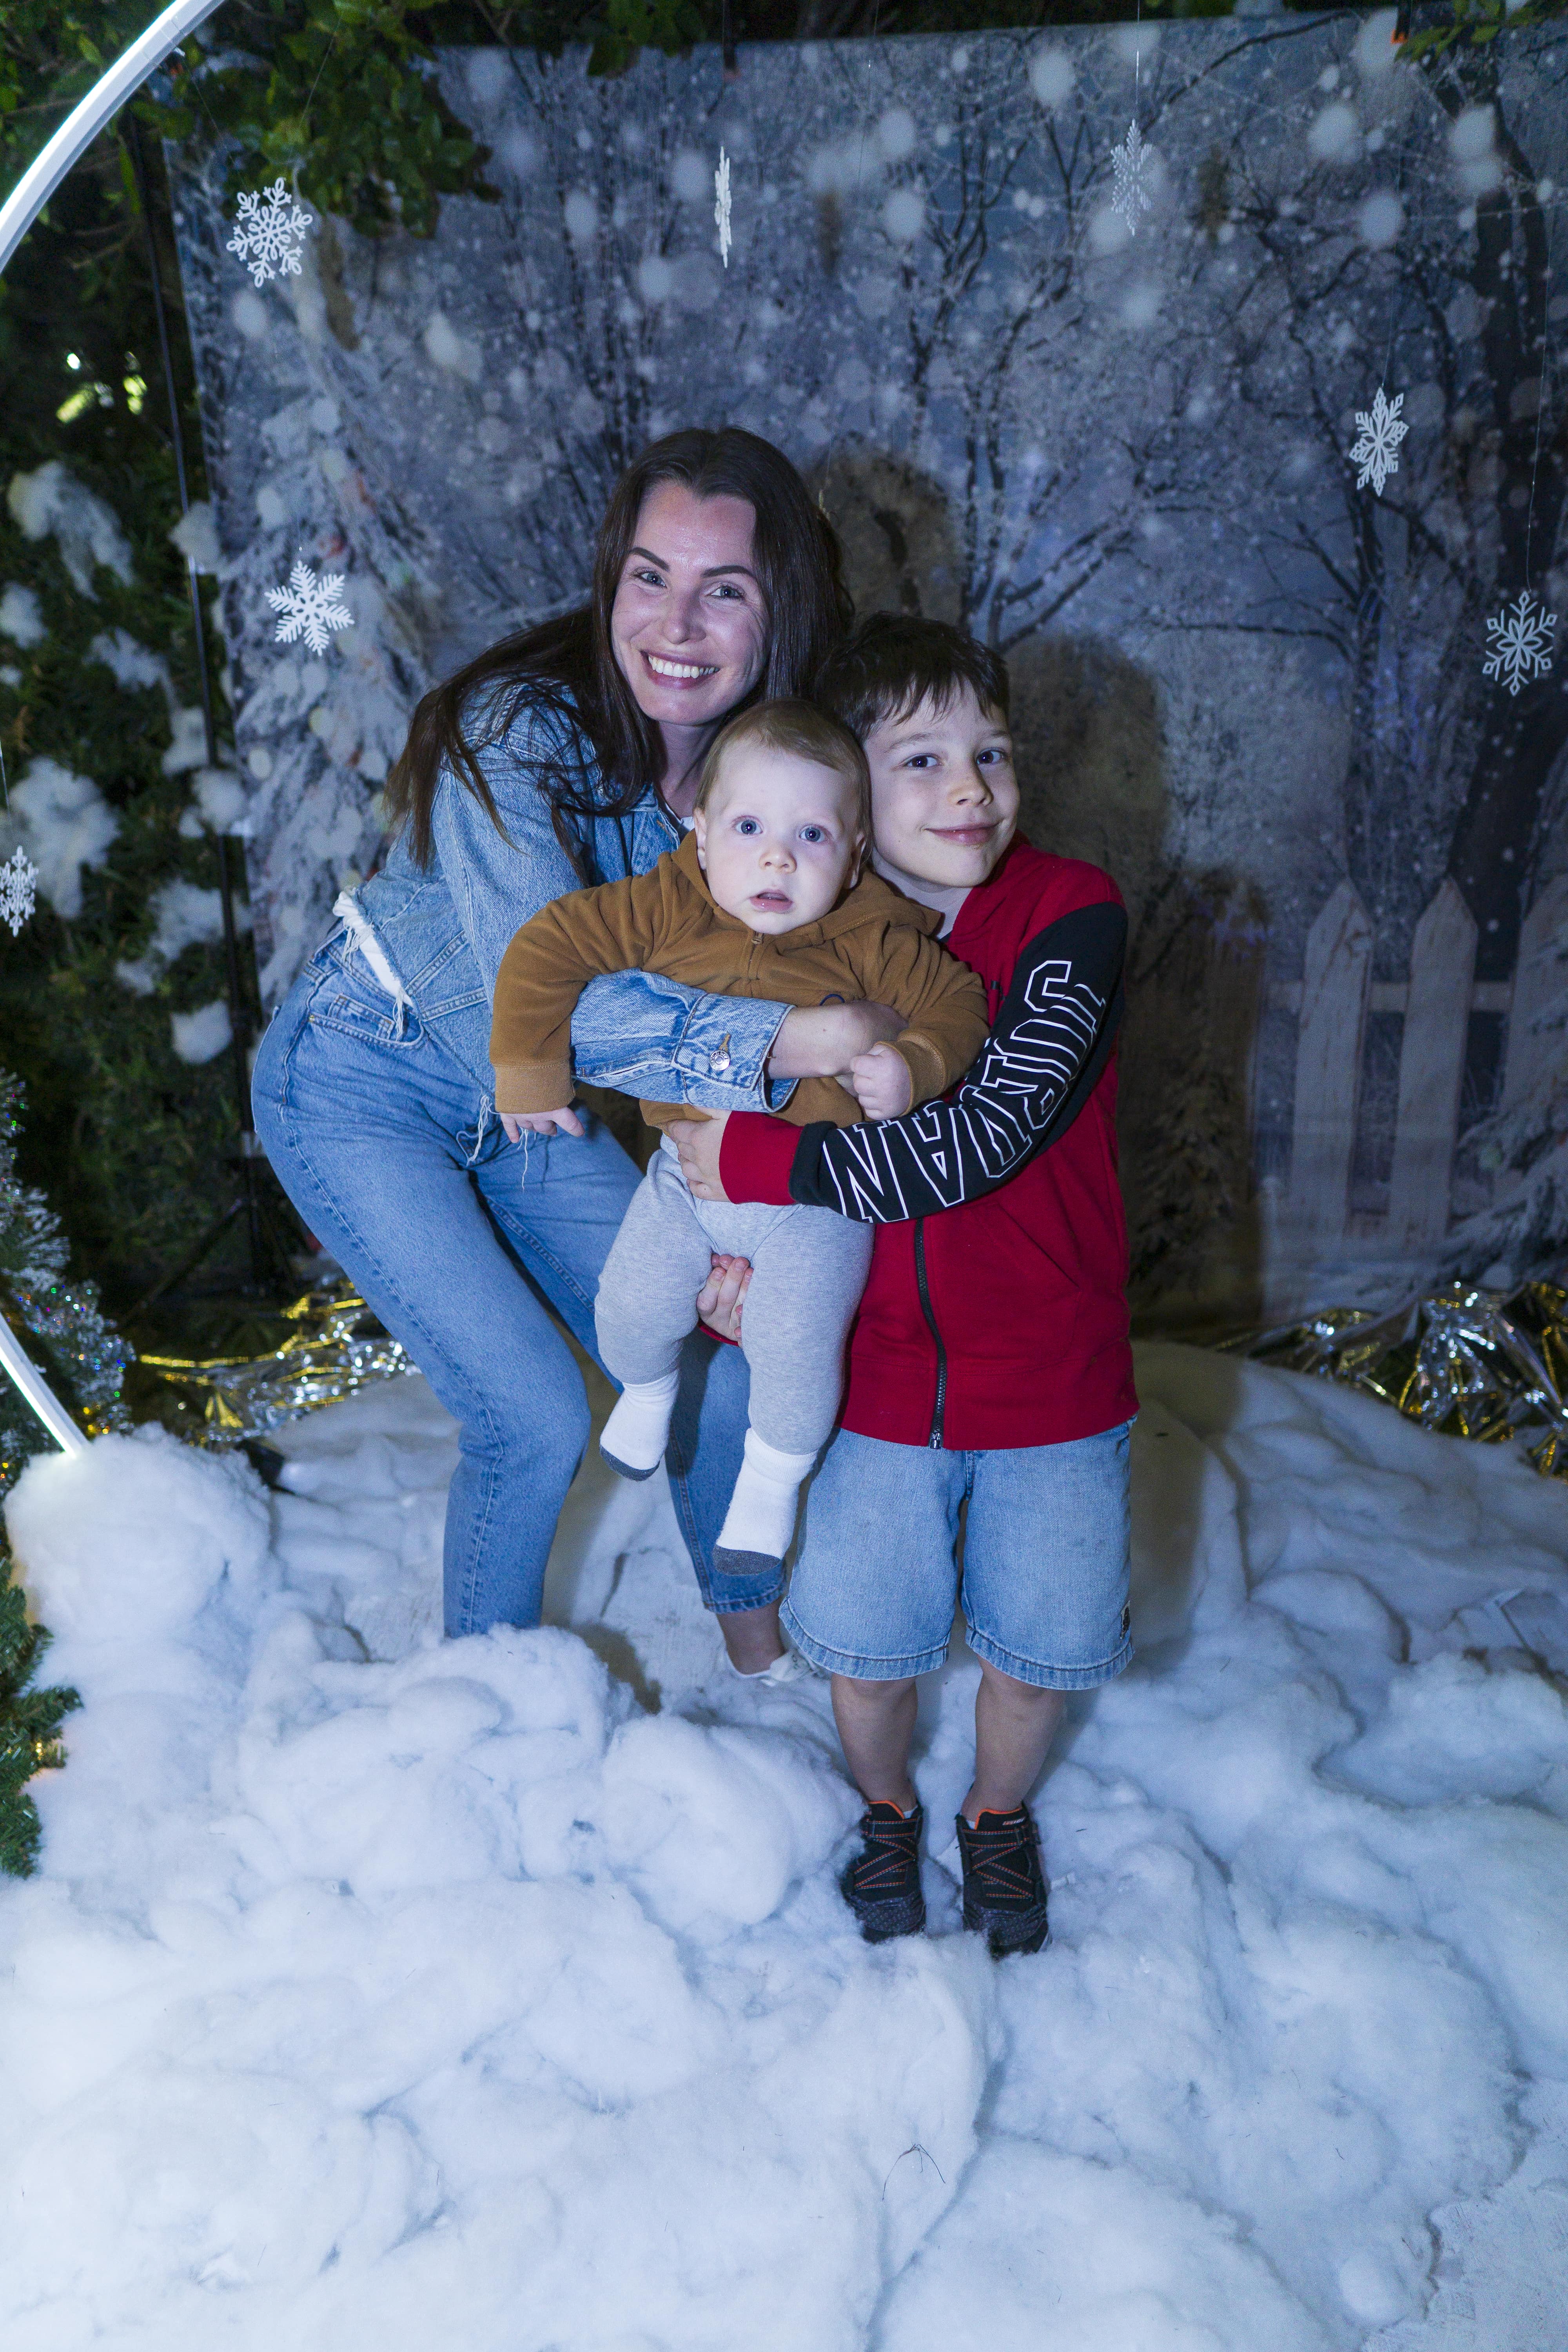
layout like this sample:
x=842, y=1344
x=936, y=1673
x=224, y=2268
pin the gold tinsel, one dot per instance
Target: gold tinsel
x=1485, y=1364
x=335, y=1347
x=1488, y=1364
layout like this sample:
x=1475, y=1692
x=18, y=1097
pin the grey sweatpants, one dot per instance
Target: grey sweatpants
x=808, y=1269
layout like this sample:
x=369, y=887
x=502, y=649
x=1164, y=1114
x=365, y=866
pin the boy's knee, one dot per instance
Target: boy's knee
x=876, y=1693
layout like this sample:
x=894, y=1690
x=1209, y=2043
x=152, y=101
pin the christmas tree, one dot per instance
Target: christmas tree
x=82, y=1356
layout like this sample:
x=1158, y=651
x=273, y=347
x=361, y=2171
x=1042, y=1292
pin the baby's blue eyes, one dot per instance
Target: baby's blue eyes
x=747, y=825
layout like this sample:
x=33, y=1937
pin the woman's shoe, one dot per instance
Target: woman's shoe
x=1004, y=1886
x=881, y=1883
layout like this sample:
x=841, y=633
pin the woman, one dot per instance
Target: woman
x=566, y=754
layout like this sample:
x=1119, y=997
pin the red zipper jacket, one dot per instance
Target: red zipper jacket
x=995, y=1313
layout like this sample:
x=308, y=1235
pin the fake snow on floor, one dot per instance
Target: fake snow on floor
x=378, y=1992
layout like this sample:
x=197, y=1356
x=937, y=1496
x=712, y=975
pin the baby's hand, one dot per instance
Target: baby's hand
x=519, y=1123
x=880, y=1082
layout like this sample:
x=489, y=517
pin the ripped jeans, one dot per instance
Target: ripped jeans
x=462, y=1242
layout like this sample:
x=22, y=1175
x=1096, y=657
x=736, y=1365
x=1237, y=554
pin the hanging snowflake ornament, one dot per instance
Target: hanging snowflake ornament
x=270, y=234
x=18, y=885
x=1130, y=161
x=722, y=206
x=310, y=608
x=1376, y=448
x=1521, y=636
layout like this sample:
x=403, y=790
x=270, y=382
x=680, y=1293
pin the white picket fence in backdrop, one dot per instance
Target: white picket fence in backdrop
x=1332, y=1003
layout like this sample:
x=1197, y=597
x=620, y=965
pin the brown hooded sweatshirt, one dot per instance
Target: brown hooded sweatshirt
x=873, y=944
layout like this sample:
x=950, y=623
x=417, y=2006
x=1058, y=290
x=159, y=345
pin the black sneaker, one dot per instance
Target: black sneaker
x=881, y=1883
x=1004, y=1886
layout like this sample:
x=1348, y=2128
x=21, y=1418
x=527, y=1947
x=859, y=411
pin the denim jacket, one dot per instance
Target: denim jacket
x=445, y=928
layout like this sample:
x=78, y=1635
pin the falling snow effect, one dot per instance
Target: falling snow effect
x=1132, y=161
x=18, y=884
x=270, y=232
x=722, y=206
x=1376, y=447
x=310, y=608
x=1521, y=643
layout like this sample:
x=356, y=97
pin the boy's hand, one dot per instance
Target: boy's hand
x=819, y=1041
x=880, y=1083
x=699, y=1142
x=519, y=1123
x=723, y=1295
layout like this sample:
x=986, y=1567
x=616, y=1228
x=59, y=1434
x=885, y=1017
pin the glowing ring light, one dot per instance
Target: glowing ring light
x=82, y=125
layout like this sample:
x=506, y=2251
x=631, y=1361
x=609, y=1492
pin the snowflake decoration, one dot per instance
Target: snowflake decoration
x=1376, y=451
x=722, y=206
x=1130, y=161
x=1521, y=643
x=270, y=232
x=310, y=608
x=18, y=881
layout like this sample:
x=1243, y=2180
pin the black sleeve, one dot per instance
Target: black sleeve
x=1035, y=1071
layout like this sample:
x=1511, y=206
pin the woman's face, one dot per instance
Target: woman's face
x=688, y=624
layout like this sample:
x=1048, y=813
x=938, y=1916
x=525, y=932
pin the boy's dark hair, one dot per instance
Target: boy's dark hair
x=894, y=660
x=804, y=731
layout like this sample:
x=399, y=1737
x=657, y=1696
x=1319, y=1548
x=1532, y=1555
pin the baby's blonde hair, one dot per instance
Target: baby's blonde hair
x=804, y=731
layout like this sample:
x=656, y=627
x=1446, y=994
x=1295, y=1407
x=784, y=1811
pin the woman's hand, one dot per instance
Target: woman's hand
x=722, y=1295
x=820, y=1041
x=699, y=1142
x=880, y=1083
x=519, y=1123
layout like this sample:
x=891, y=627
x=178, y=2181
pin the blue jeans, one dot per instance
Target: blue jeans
x=462, y=1242
x=1044, y=1534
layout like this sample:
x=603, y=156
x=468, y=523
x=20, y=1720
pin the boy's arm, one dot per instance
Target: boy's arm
x=613, y=928
x=1041, y=1063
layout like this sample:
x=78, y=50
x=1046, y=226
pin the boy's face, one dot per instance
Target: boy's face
x=944, y=799
x=778, y=839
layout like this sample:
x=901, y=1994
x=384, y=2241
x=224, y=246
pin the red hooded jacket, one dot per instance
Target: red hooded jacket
x=1001, y=1321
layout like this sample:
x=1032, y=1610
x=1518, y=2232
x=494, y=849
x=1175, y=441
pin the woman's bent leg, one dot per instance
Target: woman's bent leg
x=365, y=1138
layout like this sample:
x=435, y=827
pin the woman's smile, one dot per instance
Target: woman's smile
x=678, y=673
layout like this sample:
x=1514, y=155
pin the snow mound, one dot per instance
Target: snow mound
x=377, y=1990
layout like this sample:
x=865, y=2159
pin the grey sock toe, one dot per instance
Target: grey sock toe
x=746, y=1563
x=624, y=1467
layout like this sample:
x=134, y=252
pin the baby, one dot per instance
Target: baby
x=762, y=900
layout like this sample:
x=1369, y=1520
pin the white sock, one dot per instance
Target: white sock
x=760, y=1516
x=638, y=1430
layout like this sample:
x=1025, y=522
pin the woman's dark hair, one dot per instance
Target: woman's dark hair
x=567, y=667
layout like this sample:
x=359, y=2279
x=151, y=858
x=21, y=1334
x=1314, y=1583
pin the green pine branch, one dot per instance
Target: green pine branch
x=30, y=1721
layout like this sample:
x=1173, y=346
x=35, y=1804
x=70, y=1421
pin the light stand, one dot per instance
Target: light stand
x=269, y=1248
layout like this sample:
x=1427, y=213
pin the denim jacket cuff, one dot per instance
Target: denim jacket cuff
x=724, y=1045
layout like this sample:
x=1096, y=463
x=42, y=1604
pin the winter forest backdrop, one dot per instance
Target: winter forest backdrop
x=1251, y=688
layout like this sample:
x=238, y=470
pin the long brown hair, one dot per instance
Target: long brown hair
x=567, y=669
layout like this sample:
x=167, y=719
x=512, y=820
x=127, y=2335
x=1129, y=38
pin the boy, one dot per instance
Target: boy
x=990, y=1367
x=762, y=900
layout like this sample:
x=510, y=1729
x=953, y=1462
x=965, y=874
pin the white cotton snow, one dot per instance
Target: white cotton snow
x=376, y=1990
x=219, y=801
x=64, y=823
x=183, y=916
x=20, y=618
x=201, y=1036
x=134, y=665
x=85, y=530
x=195, y=536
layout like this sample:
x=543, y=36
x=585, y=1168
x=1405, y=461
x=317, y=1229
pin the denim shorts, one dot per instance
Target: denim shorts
x=1044, y=1577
